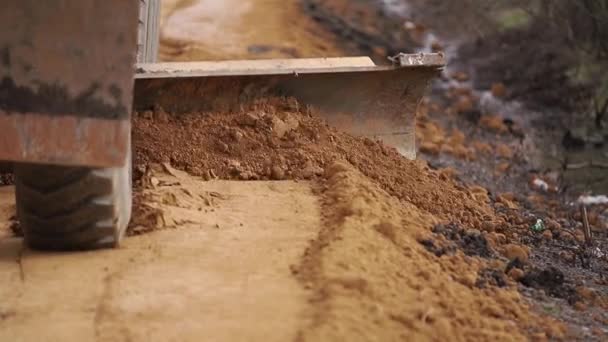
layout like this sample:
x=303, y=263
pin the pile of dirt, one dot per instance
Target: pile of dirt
x=370, y=268
x=373, y=281
x=276, y=139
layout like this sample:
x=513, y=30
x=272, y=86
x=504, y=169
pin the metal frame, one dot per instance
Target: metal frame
x=66, y=80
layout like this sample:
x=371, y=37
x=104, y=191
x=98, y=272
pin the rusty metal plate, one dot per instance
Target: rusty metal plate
x=64, y=140
x=66, y=80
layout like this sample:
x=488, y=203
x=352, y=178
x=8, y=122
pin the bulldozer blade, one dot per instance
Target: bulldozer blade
x=351, y=93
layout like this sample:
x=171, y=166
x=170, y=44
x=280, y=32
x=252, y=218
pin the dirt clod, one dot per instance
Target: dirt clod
x=277, y=173
x=552, y=281
x=515, y=252
x=499, y=90
x=516, y=274
x=471, y=242
x=491, y=277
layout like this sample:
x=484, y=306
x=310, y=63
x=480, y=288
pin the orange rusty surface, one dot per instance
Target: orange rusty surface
x=63, y=140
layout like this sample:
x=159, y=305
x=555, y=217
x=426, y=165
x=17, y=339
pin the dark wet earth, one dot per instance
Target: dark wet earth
x=564, y=277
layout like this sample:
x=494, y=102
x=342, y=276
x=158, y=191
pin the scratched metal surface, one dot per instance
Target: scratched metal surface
x=66, y=80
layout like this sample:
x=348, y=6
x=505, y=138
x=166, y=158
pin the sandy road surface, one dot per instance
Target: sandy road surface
x=402, y=251
x=224, y=277
x=236, y=29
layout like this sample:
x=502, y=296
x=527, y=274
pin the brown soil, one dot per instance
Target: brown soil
x=373, y=280
x=403, y=251
x=276, y=139
x=217, y=268
x=238, y=29
x=370, y=267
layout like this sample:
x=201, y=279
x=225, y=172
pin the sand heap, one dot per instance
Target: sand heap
x=276, y=139
x=405, y=251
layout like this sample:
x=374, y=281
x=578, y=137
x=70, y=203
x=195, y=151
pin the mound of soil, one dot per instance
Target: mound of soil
x=276, y=139
x=370, y=268
x=372, y=281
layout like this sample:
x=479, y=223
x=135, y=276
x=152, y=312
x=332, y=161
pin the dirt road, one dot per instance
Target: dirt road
x=224, y=275
x=350, y=241
x=237, y=29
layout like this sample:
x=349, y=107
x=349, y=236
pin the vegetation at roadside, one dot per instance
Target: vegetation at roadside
x=575, y=30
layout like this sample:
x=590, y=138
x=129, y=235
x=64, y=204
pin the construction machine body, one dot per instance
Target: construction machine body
x=350, y=93
x=66, y=80
x=69, y=81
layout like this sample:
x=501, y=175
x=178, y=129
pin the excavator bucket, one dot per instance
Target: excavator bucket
x=352, y=94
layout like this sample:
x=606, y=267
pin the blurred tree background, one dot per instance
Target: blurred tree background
x=560, y=48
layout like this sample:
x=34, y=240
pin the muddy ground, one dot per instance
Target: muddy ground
x=265, y=223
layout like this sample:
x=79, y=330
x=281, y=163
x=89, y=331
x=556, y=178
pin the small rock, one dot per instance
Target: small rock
x=479, y=193
x=160, y=115
x=282, y=127
x=516, y=274
x=460, y=76
x=493, y=123
x=482, y=147
x=429, y=148
x=234, y=164
x=380, y=50
x=499, y=90
x=148, y=115
x=248, y=175
x=567, y=256
x=236, y=135
x=250, y=120
x=598, y=332
x=469, y=280
x=436, y=46
x=503, y=167
x=539, y=337
x=488, y=226
x=277, y=173
x=461, y=152
x=547, y=235
x=310, y=170
x=447, y=173
x=586, y=293
x=207, y=176
x=552, y=224
x=409, y=25
x=580, y=306
x=292, y=104
x=235, y=168
x=464, y=104
x=448, y=149
x=457, y=137
x=223, y=147
x=504, y=151
x=579, y=235
x=507, y=201
x=512, y=252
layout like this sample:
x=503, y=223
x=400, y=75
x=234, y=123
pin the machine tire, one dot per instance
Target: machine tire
x=73, y=208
